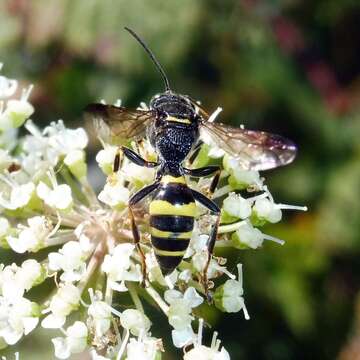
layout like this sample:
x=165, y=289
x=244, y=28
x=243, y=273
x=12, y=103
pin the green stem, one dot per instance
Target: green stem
x=158, y=299
x=231, y=227
x=74, y=186
x=134, y=295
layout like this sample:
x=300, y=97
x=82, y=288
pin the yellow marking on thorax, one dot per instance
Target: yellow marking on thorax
x=169, y=234
x=162, y=207
x=168, y=253
x=183, y=121
x=172, y=179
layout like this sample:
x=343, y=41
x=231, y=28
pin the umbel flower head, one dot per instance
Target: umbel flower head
x=47, y=203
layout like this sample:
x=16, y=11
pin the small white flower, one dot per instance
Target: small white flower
x=65, y=140
x=153, y=269
x=135, y=321
x=235, y=205
x=142, y=349
x=17, y=318
x=29, y=274
x=75, y=160
x=240, y=178
x=61, y=305
x=71, y=259
x=10, y=288
x=115, y=195
x=16, y=111
x=266, y=209
x=182, y=337
x=20, y=195
x=31, y=237
x=101, y=317
x=202, y=352
x=106, y=157
x=137, y=174
x=229, y=296
x=179, y=313
x=119, y=267
x=59, y=197
x=198, y=243
x=248, y=236
x=7, y=86
x=75, y=341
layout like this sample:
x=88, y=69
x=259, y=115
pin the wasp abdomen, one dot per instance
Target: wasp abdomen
x=172, y=213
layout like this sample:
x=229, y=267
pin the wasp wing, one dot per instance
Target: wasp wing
x=118, y=121
x=255, y=150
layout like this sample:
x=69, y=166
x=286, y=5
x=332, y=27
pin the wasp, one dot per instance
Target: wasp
x=173, y=124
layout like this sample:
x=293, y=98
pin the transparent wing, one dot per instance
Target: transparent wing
x=199, y=108
x=255, y=150
x=119, y=121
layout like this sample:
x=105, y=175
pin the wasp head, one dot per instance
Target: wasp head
x=174, y=105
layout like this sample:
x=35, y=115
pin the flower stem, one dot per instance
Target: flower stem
x=135, y=297
x=94, y=262
x=231, y=227
x=158, y=299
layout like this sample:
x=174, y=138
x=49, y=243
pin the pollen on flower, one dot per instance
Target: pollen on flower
x=88, y=250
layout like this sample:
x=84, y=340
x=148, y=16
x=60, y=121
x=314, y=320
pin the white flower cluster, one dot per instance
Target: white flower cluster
x=46, y=202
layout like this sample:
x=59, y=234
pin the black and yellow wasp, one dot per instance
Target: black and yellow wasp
x=173, y=124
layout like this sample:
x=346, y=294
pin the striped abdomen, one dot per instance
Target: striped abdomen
x=172, y=213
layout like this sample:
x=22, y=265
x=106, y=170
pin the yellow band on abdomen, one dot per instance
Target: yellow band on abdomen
x=169, y=234
x=168, y=253
x=162, y=207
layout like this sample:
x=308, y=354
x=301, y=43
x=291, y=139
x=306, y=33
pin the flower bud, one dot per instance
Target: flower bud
x=179, y=314
x=7, y=86
x=202, y=352
x=265, y=210
x=239, y=178
x=15, y=114
x=138, y=175
x=75, y=160
x=106, y=157
x=62, y=304
x=247, y=237
x=115, y=195
x=235, y=207
x=74, y=342
x=135, y=321
x=143, y=349
x=31, y=274
x=59, y=197
x=228, y=297
x=101, y=314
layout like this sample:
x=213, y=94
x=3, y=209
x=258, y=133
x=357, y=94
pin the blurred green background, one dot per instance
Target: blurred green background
x=287, y=66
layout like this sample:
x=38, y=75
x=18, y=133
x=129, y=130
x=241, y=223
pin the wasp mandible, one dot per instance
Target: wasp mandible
x=173, y=124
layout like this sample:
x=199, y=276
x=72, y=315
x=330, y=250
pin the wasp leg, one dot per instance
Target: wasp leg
x=140, y=195
x=195, y=152
x=205, y=171
x=208, y=203
x=137, y=159
x=117, y=161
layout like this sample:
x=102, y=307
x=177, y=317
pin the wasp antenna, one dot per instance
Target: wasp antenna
x=152, y=57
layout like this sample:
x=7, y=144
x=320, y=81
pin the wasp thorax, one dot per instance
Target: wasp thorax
x=173, y=105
